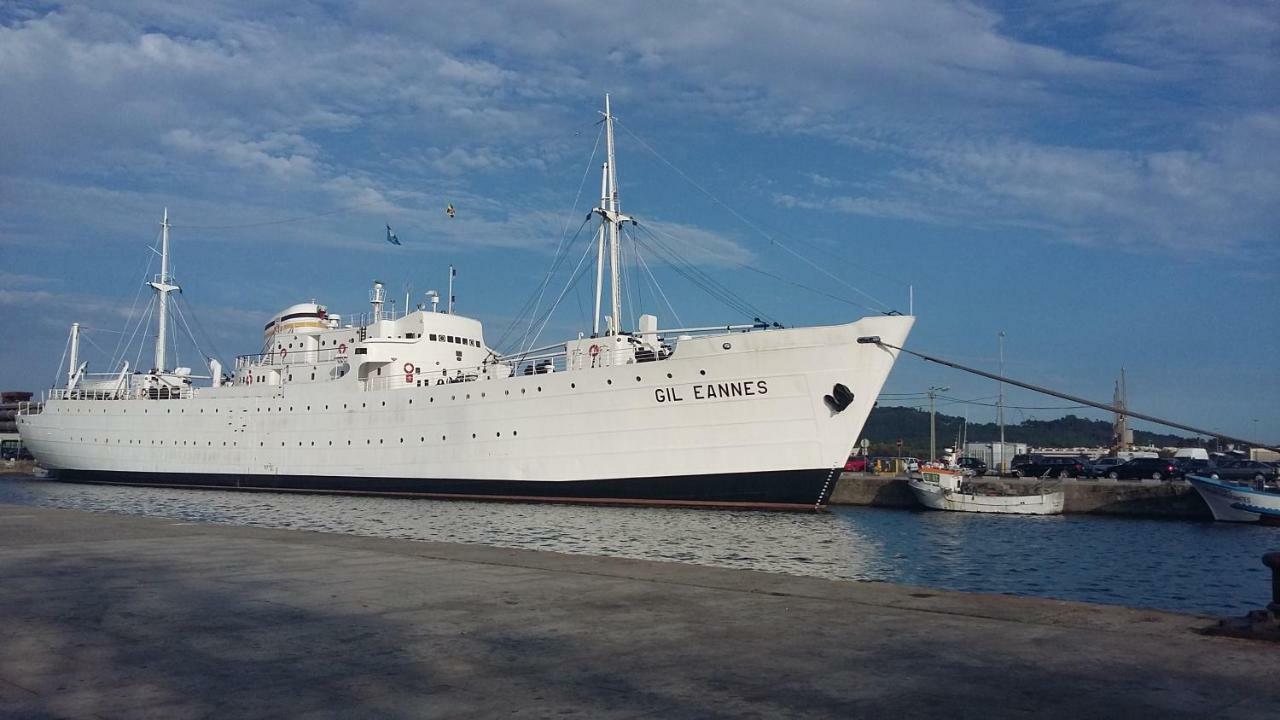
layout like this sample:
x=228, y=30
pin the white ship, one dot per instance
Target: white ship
x=417, y=403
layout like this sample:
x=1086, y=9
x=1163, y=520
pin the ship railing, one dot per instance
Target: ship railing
x=29, y=407
x=183, y=392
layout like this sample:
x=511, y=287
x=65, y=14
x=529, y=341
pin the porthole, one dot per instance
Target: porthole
x=401, y=441
x=410, y=401
x=608, y=382
x=637, y=378
x=444, y=437
x=573, y=385
x=522, y=391
x=668, y=376
x=468, y=396
x=379, y=441
x=473, y=436
x=702, y=372
x=506, y=392
x=384, y=403
x=499, y=434
x=539, y=388
x=368, y=442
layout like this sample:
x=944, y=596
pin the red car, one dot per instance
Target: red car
x=855, y=463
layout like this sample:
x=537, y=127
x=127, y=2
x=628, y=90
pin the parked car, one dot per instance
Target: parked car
x=19, y=453
x=1241, y=470
x=1103, y=465
x=856, y=463
x=972, y=465
x=1192, y=466
x=1154, y=468
x=1060, y=467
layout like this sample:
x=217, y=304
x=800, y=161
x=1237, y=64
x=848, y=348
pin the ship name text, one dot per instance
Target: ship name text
x=711, y=391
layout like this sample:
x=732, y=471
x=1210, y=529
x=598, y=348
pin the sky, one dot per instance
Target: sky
x=1098, y=180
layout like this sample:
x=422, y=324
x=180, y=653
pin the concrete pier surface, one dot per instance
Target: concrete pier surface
x=114, y=616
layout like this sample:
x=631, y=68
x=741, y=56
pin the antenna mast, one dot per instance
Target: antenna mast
x=612, y=218
x=163, y=287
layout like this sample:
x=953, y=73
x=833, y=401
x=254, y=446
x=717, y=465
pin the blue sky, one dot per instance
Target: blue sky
x=1098, y=179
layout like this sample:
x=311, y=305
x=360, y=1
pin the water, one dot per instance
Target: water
x=1199, y=567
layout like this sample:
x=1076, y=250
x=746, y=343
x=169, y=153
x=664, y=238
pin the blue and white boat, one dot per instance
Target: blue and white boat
x=1239, y=502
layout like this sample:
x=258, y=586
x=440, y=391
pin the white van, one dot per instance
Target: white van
x=1192, y=453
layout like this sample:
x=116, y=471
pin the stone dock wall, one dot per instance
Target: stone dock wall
x=1144, y=498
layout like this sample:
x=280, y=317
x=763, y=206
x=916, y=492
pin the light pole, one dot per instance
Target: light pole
x=1000, y=404
x=933, y=432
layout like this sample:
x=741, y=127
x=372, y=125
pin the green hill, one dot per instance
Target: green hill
x=889, y=423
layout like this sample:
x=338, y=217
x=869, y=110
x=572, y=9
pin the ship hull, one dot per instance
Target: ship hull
x=737, y=418
x=779, y=490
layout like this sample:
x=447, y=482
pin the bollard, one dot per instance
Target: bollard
x=1272, y=560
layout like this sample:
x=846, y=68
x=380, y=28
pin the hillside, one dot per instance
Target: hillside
x=889, y=423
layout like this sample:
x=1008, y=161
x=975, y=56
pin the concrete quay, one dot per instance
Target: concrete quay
x=1137, y=498
x=114, y=616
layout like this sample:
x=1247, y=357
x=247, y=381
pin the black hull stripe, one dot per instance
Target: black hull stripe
x=780, y=490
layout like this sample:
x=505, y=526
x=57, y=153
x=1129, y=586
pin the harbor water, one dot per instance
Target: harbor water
x=1198, y=567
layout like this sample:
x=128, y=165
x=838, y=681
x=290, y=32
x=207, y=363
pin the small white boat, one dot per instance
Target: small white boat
x=948, y=489
x=1236, y=502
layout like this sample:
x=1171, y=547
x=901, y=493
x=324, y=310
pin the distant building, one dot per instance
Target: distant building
x=993, y=454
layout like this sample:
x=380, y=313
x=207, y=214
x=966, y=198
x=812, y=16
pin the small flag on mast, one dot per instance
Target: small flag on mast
x=391, y=237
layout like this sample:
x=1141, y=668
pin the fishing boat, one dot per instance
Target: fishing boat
x=1239, y=502
x=948, y=488
x=419, y=403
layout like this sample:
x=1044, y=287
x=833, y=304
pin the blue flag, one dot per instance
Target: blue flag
x=391, y=237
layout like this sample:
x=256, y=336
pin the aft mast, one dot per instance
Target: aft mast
x=163, y=287
x=610, y=212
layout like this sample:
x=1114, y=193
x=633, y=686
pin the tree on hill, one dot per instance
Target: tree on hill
x=890, y=423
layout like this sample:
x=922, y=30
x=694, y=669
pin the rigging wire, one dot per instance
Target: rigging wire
x=66, y=347
x=118, y=353
x=564, y=232
x=575, y=277
x=696, y=275
x=773, y=240
x=658, y=287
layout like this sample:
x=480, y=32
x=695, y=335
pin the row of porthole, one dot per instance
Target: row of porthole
x=572, y=385
x=421, y=439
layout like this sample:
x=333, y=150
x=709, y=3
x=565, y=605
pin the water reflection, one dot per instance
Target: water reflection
x=1185, y=566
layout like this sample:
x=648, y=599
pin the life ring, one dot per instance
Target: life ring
x=408, y=368
x=595, y=350
x=283, y=353
x=342, y=349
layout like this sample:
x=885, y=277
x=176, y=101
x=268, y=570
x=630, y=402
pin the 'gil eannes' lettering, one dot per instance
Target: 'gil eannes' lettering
x=710, y=391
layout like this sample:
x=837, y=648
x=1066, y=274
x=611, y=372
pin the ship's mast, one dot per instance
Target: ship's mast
x=610, y=211
x=163, y=287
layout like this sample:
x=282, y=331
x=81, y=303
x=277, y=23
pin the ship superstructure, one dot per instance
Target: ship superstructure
x=417, y=402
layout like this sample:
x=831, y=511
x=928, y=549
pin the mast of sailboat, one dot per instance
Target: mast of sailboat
x=163, y=287
x=610, y=212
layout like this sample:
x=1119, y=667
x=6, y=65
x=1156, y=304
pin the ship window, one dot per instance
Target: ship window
x=433, y=336
x=313, y=376
x=410, y=336
x=362, y=351
x=473, y=436
x=513, y=432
